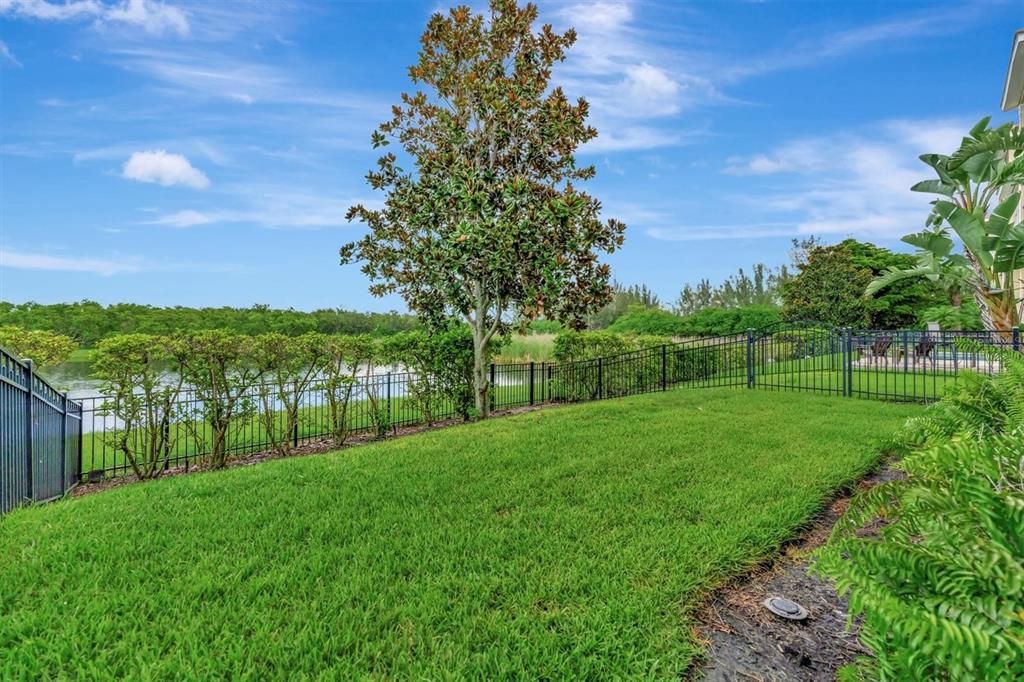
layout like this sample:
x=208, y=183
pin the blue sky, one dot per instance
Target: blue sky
x=202, y=152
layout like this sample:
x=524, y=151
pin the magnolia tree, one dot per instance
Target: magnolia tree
x=483, y=219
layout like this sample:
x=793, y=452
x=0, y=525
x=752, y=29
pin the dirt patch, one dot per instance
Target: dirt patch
x=307, y=448
x=745, y=641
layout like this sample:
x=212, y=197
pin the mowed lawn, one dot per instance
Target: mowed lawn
x=573, y=542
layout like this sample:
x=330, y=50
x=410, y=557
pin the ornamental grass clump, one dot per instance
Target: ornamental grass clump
x=940, y=585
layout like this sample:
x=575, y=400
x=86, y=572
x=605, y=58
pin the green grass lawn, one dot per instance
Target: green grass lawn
x=574, y=542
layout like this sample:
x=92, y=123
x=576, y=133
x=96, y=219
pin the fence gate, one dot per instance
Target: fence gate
x=40, y=436
x=799, y=357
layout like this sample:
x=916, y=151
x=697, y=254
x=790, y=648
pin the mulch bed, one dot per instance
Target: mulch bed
x=745, y=641
x=308, y=448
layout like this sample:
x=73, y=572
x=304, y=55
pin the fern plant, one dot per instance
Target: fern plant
x=939, y=576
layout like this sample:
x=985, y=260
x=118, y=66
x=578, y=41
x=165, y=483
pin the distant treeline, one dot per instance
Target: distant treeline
x=88, y=322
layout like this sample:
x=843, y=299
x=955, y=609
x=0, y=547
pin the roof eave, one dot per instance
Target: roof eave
x=1013, y=90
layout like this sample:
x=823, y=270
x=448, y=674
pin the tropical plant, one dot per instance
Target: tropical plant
x=44, y=348
x=141, y=385
x=490, y=226
x=980, y=173
x=940, y=584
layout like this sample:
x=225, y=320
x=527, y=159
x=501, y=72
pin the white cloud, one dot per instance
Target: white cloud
x=186, y=218
x=46, y=11
x=854, y=182
x=696, y=233
x=7, y=55
x=848, y=183
x=651, y=88
x=99, y=266
x=55, y=102
x=116, y=264
x=269, y=206
x=153, y=16
x=241, y=97
x=164, y=168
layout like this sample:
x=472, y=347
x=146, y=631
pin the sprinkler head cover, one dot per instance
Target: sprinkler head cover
x=785, y=608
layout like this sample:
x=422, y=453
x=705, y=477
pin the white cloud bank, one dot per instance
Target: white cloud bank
x=848, y=183
x=152, y=16
x=164, y=168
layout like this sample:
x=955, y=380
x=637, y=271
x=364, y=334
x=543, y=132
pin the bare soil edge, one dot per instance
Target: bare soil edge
x=745, y=641
x=316, y=447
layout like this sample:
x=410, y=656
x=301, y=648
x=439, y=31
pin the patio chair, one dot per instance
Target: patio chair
x=923, y=348
x=880, y=347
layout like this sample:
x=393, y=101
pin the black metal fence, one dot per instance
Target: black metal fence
x=40, y=444
x=71, y=441
x=900, y=365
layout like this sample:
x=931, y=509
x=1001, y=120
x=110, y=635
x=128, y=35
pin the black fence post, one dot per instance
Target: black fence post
x=295, y=426
x=491, y=397
x=848, y=362
x=532, y=368
x=543, y=382
x=600, y=377
x=751, y=379
x=1016, y=339
x=664, y=367
x=391, y=419
x=64, y=443
x=28, y=431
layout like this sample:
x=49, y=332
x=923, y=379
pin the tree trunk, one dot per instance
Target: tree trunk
x=480, y=376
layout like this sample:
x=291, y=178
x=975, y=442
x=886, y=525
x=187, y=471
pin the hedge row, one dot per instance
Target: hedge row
x=708, y=322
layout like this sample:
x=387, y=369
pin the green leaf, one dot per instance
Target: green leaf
x=1009, y=254
x=934, y=187
x=970, y=227
x=936, y=243
x=980, y=127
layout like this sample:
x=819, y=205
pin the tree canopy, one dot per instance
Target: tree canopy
x=830, y=287
x=88, y=322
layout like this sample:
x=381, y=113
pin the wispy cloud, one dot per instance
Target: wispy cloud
x=269, y=206
x=116, y=264
x=837, y=43
x=695, y=233
x=7, y=57
x=163, y=168
x=152, y=16
x=852, y=182
x=643, y=77
x=99, y=266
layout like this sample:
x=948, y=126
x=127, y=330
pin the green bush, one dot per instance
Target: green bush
x=707, y=322
x=941, y=585
x=604, y=364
